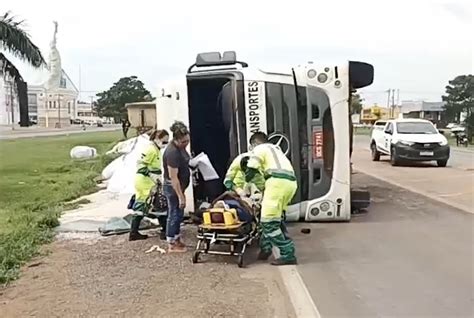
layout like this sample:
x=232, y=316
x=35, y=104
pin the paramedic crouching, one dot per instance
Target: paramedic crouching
x=176, y=180
x=235, y=176
x=280, y=187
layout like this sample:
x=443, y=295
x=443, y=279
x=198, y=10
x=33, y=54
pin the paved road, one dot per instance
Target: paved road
x=43, y=132
x=453, y=185
x=461, y=158
x=408, y=257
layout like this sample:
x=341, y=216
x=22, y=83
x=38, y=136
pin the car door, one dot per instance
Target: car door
x=387, y=136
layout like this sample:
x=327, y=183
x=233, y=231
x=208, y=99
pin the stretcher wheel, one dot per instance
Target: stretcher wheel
x=241, y=261
x=196, y=257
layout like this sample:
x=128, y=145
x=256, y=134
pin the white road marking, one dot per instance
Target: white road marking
x=300, y=297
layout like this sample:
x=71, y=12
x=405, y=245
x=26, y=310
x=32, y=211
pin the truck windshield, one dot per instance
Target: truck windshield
x=416, y=128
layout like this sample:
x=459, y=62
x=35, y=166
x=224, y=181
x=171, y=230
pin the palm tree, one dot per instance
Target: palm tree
x=16, y=41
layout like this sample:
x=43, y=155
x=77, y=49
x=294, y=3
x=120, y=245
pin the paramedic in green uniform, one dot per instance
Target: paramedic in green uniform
x=280, y=187
x=235, y=177
x=147, y=176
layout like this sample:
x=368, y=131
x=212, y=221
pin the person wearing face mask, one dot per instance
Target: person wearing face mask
x=147, y=176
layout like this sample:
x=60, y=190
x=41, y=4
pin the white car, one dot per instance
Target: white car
x=409, y=140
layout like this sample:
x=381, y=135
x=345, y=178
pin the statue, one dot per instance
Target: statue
x=55, y=69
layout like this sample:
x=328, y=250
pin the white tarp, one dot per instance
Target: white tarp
x=83, y=152
x=121, y=172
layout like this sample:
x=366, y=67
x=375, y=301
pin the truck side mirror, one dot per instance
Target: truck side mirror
x=441, y=132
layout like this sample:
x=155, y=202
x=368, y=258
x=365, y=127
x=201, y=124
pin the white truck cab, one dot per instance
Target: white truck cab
x=409, y=140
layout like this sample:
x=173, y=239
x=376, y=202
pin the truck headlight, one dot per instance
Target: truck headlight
x=325, y=206
x=406, y=143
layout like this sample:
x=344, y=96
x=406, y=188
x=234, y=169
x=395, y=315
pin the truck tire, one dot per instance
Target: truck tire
x=375, y=152
x=442, y=163
x=394, y=161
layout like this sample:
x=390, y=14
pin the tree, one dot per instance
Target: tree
x=459, y=99
x=111, y=103
x=16, y=41
x=356, y=103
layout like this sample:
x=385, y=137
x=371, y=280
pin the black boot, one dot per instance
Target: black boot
x=134, y=234
x=281, y=262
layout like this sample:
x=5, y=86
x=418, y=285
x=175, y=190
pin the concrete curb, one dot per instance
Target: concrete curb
x=300, y=298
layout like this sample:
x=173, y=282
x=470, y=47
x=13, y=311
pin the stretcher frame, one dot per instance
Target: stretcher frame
x=237, y=242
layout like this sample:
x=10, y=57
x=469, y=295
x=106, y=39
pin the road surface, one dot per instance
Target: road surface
x=452, y=185
x=460, y=158
x=30, y=132
x=408, y=257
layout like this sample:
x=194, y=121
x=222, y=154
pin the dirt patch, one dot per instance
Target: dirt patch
x=114, y=277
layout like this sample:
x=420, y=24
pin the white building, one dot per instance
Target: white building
x=53, y=108
x=8, y=96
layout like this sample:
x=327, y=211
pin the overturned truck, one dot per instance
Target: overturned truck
x=304, y=109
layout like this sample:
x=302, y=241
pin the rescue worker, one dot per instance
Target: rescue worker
x=235, y=176
x=147, y=176
x=280, y=187
x=125, y=126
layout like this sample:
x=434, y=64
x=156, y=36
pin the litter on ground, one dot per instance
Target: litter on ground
x=83, y=152
x=155, y=248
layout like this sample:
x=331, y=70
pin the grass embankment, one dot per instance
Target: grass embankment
x=37, y=179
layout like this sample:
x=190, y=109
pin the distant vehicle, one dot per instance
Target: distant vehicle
x=461, y=138
x=409, y=140
x=452, y=125
x=379, y=125
x=100, y=124
x=76, y=121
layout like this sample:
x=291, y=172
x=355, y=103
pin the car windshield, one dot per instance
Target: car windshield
x=416, y=128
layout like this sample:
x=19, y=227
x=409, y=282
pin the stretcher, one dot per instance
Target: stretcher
x=226, y=231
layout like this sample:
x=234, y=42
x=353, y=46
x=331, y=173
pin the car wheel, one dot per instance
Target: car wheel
x=375, y=152
x=394, y=161
x=442, y=163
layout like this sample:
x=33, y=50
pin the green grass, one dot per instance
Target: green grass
x=38, y=181
x=366, y=131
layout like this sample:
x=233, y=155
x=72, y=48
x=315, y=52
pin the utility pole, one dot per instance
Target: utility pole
x=388, y=99
x=80, y=84
x=393, y=103
x=398, y=101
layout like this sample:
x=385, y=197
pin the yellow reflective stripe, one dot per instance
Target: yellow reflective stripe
x=275, y=157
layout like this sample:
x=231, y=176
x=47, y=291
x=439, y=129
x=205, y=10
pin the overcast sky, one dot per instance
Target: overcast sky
x=416, y=46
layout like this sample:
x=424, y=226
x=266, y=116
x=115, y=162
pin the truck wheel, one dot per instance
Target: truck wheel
x=375, y=152
x=394, y=161
x=442, y=163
